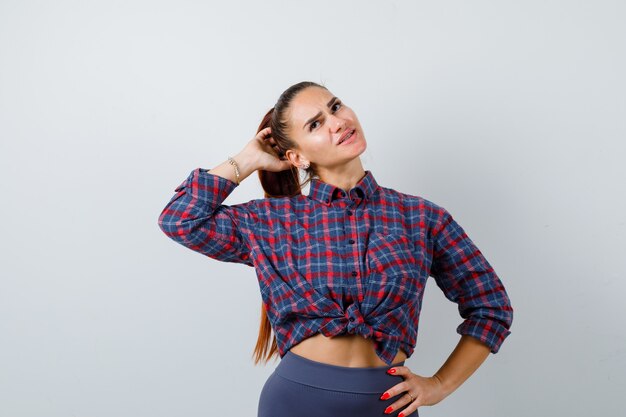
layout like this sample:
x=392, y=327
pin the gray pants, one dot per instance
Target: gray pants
x=306, y=388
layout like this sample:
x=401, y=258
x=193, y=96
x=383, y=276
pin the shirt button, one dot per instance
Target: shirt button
x=354, y=273
x=351, y=319
x=351, y=241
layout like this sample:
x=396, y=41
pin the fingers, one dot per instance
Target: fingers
x=403, y=399
x=399, y=370
x=264, y=132
x=266, y=141
x=400, y=392
x=266, y=136
x=395, y=390
x=408, y=411
x=411, y=404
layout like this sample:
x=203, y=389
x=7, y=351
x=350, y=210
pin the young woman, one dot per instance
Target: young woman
x=341, y=270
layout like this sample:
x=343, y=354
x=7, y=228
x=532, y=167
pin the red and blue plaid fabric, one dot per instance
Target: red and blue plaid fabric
x=343, y=262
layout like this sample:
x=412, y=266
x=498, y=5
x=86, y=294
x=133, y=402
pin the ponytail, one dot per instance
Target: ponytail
x=276, y=185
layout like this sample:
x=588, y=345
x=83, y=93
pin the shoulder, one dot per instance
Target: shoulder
x=278, y=205
x=418, y=211
x=412, y=202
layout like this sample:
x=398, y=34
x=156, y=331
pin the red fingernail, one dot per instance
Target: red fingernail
x=391, y=371
x=385, y=396
x=388, y=410
x=401, y=415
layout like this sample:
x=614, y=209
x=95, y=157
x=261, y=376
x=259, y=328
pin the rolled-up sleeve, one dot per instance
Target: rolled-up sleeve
x=196, y=218
x=466, y=278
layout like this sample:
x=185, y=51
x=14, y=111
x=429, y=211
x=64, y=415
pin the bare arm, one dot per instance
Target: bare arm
x=466, y=357
x=246, y=164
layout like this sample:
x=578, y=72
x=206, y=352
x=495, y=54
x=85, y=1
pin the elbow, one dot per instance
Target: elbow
x=170, y=225
x=488, y=324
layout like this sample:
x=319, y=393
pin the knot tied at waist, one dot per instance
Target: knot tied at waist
x=355, y=322
x=335, y=319
x=350, y=320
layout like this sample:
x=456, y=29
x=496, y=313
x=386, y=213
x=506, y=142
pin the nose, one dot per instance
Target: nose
x=337, y=123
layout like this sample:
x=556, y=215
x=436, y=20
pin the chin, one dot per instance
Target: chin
x=362, y=147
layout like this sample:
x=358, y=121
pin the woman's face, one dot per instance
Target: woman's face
x=318, y=122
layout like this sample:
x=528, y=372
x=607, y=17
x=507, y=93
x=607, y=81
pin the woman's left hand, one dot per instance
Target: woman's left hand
x=424, y=390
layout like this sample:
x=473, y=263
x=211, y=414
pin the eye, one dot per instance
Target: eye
x=312, y=123
x=337, y=103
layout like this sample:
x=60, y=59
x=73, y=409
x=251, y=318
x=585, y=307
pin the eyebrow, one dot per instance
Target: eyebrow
x=330, y=103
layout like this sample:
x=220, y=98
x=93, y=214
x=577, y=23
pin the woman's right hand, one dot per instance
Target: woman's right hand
x=261, y=148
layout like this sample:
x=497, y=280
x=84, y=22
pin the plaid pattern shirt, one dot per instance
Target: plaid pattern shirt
x=343, y=262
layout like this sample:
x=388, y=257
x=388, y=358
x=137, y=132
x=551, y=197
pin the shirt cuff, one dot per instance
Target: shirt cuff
x=206, y=186
x=490, y=332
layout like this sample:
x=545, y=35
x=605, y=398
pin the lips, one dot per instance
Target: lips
x=345, y=136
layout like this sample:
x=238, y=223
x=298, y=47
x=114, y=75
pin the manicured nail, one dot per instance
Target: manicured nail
x=391, y=371
x=388, y=410
x=401, y=415
x=385, y=396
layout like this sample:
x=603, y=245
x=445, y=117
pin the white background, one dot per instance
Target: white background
x=509, y=114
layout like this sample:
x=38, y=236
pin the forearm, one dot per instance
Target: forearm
x=196, y=218
x=466, y=357
x=246, y=163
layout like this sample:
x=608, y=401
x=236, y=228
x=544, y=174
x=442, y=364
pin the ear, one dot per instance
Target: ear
x=296, y=158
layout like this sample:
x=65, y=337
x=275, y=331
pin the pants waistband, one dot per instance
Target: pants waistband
x=366, y=380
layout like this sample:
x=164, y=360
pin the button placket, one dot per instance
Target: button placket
x=351, y=230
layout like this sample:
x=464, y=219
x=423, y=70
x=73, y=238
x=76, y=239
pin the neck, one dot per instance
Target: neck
x=344, y=176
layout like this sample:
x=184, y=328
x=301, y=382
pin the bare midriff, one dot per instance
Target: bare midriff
x=350, y=350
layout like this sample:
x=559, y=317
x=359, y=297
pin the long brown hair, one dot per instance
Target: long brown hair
x=279, y=184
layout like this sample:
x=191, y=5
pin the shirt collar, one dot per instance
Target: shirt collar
x=326, y=193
